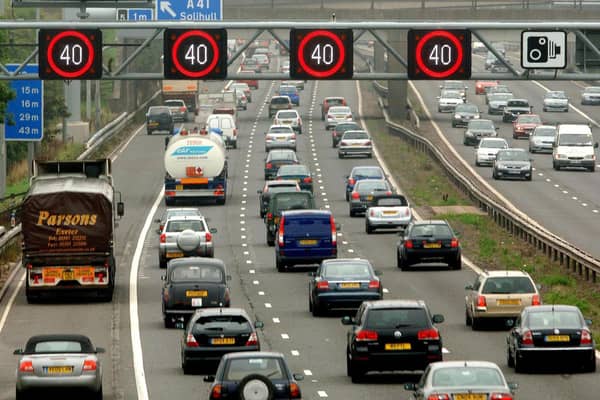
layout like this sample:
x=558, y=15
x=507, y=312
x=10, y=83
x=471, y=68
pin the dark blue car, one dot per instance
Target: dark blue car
x=362, y=172
x=291, y=92
x=305, y=237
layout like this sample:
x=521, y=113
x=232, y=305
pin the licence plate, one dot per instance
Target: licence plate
x=68, y=275
x=308, y=242
x=350, y=285
x=557, y=338
x=432, y=245
x=152, y=123
x=356, y=144
x=398, y=346
x=390, y=212
x=196, y=293
x=174, y=254
x=178, y=187
x=575, y=161
x=369, y=197
x=281, y=138
x=221, y=341
x=470, y=396
x=59, y=370
x=508, y=302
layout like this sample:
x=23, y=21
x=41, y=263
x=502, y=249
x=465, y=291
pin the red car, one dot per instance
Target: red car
x=481, y=87
x=525, y=124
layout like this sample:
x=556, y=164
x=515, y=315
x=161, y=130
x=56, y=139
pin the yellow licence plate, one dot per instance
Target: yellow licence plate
x=370, y=197
x=432, y=245
x=508, y=302
x=174, y=254
x=470, y=396
x=68, y=275
x=350, y=285
x=60, y=370
x=390, y=212
x=196, y=293
x=397, y=346
x=225, y=340
x=308, y=242
x=558, y=338
x=178, y=187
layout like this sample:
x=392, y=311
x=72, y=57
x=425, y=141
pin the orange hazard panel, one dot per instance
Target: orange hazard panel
x=193, y=171
x=193, y=181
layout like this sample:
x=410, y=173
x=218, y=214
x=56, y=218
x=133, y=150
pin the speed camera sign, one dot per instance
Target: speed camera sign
x=544, y=49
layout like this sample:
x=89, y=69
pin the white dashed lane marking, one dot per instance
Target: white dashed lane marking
x=268, y=305
x=276, y=320
x=285, y=336
x=322, y=393
x=295, y=353
x=307, y=372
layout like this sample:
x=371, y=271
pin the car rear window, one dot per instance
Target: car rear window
x=191, y=273
x=391, y=202
x=559, y=319
x=57, y=346
x=309, y=225
x=280, y=100
x=240, y=368
x=346, y=270
x=289, y=114
x=281, y=188
x=355, y=135
x=518, y=103
x=438, y=231
x=174, y=103
x=223, y=323
x=367, y=173
x=346, y=126
x=281, y=155
x=292, y=170
x=335, y=102
x=467, y=377
x=339, y=110
x=281, y=129
x=297, y=201
x=393, y=318
x=508, y=284
x=180, y=226
x=364, y=186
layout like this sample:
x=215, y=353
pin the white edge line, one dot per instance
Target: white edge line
x=136, y=341
x=11, y=301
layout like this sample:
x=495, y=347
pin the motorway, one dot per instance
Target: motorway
x=313, y=346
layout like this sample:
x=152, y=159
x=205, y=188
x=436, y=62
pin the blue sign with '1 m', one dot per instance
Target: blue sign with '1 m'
x=26, y=111
x=189, y=10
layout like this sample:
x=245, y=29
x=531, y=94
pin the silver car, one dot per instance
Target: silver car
x=280, y=137
x=497, y=101
x=590, y=95
x=336, y=115
x=52, y=362
x=185, y=236
x=388, y=211
x=175, y=211
x=448, y=100
x=485, y=152
x=178, y=109
x=542, y=138
x=463, y=113
x=478, y=129
x=556, y=100
x=462, y=380
x=290, y=118
x=355, y=142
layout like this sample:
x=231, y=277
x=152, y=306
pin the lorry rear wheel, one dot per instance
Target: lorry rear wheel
x=221, y=201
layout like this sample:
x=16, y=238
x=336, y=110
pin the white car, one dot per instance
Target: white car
x=280, y=137
x=336, y=115
x=244, y=87
x=241, y=99
x=485, y=152
x=448, y=100
x=388, y=211
x=225, y=123
x=289, y=117
x=556, y=100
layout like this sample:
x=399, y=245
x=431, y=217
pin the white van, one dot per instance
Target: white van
x=574, y=147
x=226, y=124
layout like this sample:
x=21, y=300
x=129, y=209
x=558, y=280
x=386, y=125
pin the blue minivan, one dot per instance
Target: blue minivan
x=305, y=237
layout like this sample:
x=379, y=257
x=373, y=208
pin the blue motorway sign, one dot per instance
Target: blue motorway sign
x=134, y=14
x=189, y=10
x=27, y=108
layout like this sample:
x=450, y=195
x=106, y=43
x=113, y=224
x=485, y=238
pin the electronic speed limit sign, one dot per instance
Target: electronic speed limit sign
x=195, y=54
x=439, y=54
x=70, y=54
x=321, y=53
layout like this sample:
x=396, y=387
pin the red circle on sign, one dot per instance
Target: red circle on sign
x=332, y=70
x=451, y=38
x=206, y=70
x=61, y=72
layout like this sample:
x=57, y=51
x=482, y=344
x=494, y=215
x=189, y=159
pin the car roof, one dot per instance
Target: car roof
x=196, y=260
x=552, y=307
x=280, y=97
x=186, y=218
x=514, y=149
x=221, y=311
x=359, y=167
x=490, y=274
x=356, y=131
x=431, y=222
x=465, y=363
x=519, y=100
x=281, y=182
x=287, y=111
x=280, y=126
x=86, y=343
x=300, y=213
x=253, y=354
x=396, y=303
x=338, y=108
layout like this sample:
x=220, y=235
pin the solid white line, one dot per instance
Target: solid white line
x=11, y=301
x=136, y=341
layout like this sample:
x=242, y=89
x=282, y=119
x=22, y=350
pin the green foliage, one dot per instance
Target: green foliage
x=557, y=297
x=558, y=280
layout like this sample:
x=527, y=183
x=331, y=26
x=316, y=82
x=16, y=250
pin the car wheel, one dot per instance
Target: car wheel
x=333, y=144
x=280, y=265
x=149, y=132
x=162, y=263
x=592, y=168
x=520, y=363
x=21, y=395
x=475, y=323
x=515, y=136
x=555, y=166
x=545, y=109
x=590, y=366
x=352, y=212
x=322, y=117
x=494, y=175
x=530, y=177
x=310, y=303
x=98, y=394
x=468, y=320
x=456, y=264
x=317, y=310
x=340, y=155
x=353, y=371
x=465, y=142
x=368, y=228
x=255, y=386
x=510, y=361
x=347, y=196
x=270, y=239
x=477, y=163
x=168, y=322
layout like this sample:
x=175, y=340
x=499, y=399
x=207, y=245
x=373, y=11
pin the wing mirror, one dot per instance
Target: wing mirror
x=347, y=320
x=469, y=287
x=228, y=277
x=513, y=386
x=437, y=318
x=157, y=220
x=18, y=352
x=378, y=272
x=259, y=324
x=588, y=321
x=213, y=230
x=120, y=209
x=100, y=350
x=298, y=377
x=596, y=145
x=312, y=273
x=209, y=378
x=410, y=386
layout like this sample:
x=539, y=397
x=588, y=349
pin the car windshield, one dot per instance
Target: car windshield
x=362, y=173
x=451, y=95
x=433, y=230
x=556, y=95
x=58, y=346
x=174, y=103
x=193, y=273
x=369, y=185
x=280, y=100
x=335, y=102
x=346, y=126
x=481, y=124
x=454, y=85
x=355, y=135
x=239, y=368
x=390, y=318
x=282, y=188
x=575, y=140
x=280, y=129
x=513, y=103
x=227, y=323
x=500, y=97
x=529, y=119
x=592, y=89
x=468, y=108
x=287, y=114
x=493, y=144
x=351, y=270
x=292, y=170
x=466, y=377
x=544, y=131
x=281, y=155
x=511, y=155
x=182, y=225
x=340, y=110
x=508, y=284
x=554, y=319
x=288, y=89
x=392, y=202
x=293, y=202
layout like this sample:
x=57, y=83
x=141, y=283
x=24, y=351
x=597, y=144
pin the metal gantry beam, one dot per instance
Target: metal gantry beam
x=376, y=29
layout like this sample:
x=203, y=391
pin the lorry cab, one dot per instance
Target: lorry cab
x=574, y=146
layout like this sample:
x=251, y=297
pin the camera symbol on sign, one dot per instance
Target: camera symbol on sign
x=540, y=49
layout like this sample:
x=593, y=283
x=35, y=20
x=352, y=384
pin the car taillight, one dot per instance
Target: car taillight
x=374, y=284
x=454, y=243
x=329, y=116
x=26, y=366
x=269, y=215
x=190, y=341
x=89, y=365
x=408, y=244
x=294, y=136
x=481, y=301
x=368, y=143
x=518, y=127
x=182, y=109
x=333, y=231
x=294, y=391
x=527, y=338
x=355, y=195
x=428, y=334
x=234, y=132
x=299, y=121
x=323, y=285
x=535, y=300
x=438, y=396
x=169, y=193
x=252, y=340
x=372, y=213
x=163, y=238
x=388, y=193
x=216, y=392
x=308, y=179
x=281, y=231
x=586, y=337
x=208, y=237
x=349, y=116
x=279, y=178
x=351, y=181
x=343, y=102
x=501, y=396
x=343, y=143
x=366, y=336
x=269, y=166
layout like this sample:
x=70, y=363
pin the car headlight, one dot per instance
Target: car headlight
x=476, y=117
x=469, y=133
x=456, y=116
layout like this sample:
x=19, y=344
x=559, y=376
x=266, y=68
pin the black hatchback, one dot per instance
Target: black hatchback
x=392, y=335
x=428, y=241
x=277, y=158
x=159, y=118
